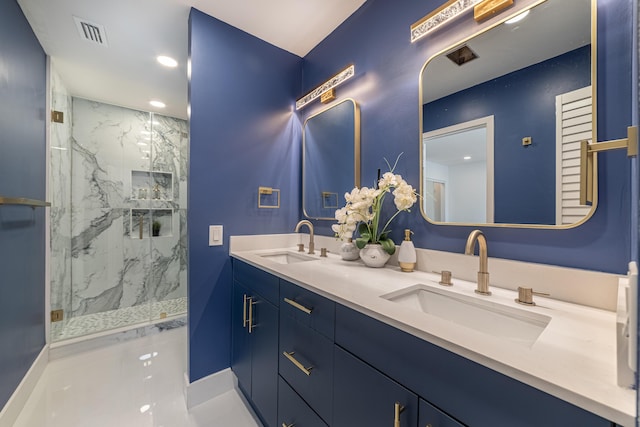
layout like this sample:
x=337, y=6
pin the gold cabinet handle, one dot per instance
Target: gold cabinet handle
x=250, y=308
x=298, y=305
x=289, y=355
x=244, y=311
x=398, y=408
x=287, y=425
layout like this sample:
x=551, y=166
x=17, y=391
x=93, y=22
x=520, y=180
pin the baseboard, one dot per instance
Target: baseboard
x=18, y=399
x=209, y=387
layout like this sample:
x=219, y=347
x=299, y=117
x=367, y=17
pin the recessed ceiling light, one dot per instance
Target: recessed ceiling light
x=518, y=18
x=467, y=157
x=157, y=104
x=167, y=61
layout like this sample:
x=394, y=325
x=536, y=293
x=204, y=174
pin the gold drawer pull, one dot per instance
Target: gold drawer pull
x=289, y=355
x=244, y=311
x=398, y=408
x=250, y=307
x=298, y=305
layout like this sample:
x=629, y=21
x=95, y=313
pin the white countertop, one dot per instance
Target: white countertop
x=573, y=359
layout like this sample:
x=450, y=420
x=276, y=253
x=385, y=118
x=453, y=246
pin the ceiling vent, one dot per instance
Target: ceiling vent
x=462, y=55
x=91, y=32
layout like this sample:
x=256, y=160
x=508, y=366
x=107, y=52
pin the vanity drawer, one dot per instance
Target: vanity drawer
x=306, y=363
x=259, y=281
x=472, y=393
x=293, y=410
x=429, y=415
x=308, y=308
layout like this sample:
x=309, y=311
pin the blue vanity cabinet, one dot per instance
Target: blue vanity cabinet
x=240, y=347
x=308, y=308
x=255, y=319
x=293, y=410
x=363, y=396
x=306, y=346
x=430, y=416
x=469, y=392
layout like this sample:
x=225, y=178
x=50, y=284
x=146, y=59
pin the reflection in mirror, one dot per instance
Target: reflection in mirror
x=331, y=158
x=503, y=116
x=459, y=159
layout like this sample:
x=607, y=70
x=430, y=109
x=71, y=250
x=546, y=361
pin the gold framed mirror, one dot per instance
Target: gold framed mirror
x=502, y=116
x=330, y=158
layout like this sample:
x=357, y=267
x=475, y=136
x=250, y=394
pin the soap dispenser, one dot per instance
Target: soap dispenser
x=407, y=253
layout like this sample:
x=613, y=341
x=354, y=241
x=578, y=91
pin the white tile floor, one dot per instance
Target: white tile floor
x=137, y=383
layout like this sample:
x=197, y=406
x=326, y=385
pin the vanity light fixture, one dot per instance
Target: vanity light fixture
x=167, y=61
x=488, y=8
x=157, y=104
x=445, y=13
x=330, y=84
x=518, y=18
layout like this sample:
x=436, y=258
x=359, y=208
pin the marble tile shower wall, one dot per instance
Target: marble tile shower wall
x=116, y=152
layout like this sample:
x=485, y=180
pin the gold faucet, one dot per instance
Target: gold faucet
x=483, y=273
x=308, y=224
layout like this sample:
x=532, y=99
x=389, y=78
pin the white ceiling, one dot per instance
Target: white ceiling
x=126, y=73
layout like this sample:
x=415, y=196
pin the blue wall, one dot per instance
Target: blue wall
x=22, y=174
x=376, y=40
x=243, y=134
x=518, y=198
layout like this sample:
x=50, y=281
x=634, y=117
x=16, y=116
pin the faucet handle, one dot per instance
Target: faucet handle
x=445, y=278
x=525, y=296
x=323, y=252
x=300, y=247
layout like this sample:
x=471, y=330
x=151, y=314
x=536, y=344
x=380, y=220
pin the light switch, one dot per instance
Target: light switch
x=215, y=235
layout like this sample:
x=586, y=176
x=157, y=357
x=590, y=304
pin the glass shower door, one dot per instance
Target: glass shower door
x=168, y=276
x=118, y=234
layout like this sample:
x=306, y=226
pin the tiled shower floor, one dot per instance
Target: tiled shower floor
x=114, y=319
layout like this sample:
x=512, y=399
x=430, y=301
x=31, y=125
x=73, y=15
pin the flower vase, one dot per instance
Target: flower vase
x=374, y=255
x=349, y=251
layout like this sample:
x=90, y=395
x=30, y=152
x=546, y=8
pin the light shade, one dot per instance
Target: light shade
x=333, y=82
x=443, y=14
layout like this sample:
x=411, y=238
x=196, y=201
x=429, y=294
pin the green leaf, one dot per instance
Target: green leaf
x=363, y=229
x=388, y=246
x=361, y=242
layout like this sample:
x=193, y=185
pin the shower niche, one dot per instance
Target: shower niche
x=145, y=223
x=147, y=185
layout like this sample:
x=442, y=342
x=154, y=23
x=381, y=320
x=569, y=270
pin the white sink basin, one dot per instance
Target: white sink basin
x=484, y=316
x=287, y=257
